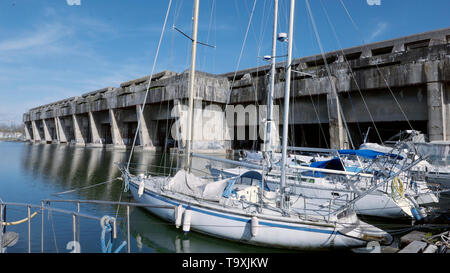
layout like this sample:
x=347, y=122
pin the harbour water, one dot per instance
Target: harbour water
x=34, y=172
x=31, y=173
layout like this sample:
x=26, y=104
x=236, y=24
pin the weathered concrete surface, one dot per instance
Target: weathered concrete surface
x=414, y=247
x=411, y=237
x=401, y=81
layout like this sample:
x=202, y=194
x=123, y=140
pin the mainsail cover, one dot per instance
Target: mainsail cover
x=191, y=185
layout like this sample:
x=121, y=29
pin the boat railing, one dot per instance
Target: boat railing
x=157, y=170
x=76, y=215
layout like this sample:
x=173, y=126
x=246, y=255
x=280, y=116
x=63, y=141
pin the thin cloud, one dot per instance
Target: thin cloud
x=380, y=29
x=45, y=35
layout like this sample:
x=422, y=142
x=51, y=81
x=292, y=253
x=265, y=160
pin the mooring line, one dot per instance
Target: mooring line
x=87, y=187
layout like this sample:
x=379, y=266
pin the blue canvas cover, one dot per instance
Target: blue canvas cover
x=332, y=164
x=249, y=174
x=371, y=154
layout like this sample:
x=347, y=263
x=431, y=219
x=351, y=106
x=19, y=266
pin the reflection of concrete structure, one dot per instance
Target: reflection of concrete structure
x=59, y=157
x=404, y=79
x=76, y=160
x=70, y=167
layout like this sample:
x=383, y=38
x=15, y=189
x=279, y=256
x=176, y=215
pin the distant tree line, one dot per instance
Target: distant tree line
x=12, y=127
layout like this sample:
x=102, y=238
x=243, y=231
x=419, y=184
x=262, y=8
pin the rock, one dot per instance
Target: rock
x=414, y=247
x=430, y=249
x=389, y=249
x=411, y=237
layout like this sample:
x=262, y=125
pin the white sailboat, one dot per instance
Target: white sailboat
x=246, y=212
x=332, y=175
x=400, y=198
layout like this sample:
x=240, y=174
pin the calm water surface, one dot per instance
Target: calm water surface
x=34, y=172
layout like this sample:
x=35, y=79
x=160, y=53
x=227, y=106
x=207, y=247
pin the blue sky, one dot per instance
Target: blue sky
x=50, y=50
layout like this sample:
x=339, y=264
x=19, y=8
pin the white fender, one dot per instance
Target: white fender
x=187, y=220
x=141, y=188
x=254, y=224
x=178, y=215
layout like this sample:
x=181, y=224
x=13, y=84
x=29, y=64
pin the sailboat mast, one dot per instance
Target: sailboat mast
x=268, y=144
x=286, y=105
x=191, y=88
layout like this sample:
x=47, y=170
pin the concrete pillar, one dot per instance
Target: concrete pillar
x=209, y=127
x=95, y=133
x=79, y=140
x=366, y=53
x=116, y=136
x=398, y=47
x=447, y=110
x=145, y=139
x=60, y=132
x=437, y=112
x=27, y=133
x=56, y=130
x=47, y=136
x=338, y=134
x=36, y=135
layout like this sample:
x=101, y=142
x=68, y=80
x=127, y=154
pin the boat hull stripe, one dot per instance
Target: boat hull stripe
x=235, y=218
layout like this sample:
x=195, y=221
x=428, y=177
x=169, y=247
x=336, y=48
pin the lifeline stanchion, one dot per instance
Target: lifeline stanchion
x=42, y=227
x=128, y=229
x=1, y=230
x=74, y=225
x=29, y=228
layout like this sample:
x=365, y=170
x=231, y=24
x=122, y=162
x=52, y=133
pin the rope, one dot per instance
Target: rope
x=107, y=247
x=213, y=5
x=88, y=187
x=242, y=48
x=351, y=71
x=318, y=101
x=149, y=82
x=378, y=68
x=329, y=72
x=20, y=221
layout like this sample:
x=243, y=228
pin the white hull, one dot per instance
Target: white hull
x=442, y=179
x=235, y=225
x=374, y=204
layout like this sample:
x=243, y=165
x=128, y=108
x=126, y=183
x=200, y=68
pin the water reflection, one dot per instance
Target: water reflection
x=67, y=167
x=151, y=232
x=33, y=172
x=61, y=168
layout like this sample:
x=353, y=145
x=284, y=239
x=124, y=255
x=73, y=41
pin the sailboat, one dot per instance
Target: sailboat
x=344, y=174
x=242, y=208
x=331, y=177
x=435, y=170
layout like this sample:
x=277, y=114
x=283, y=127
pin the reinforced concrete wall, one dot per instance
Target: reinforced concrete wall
x=398, y=84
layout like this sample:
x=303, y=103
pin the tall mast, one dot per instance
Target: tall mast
x=269, y=119
x=286, y=105
x=191, y=88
